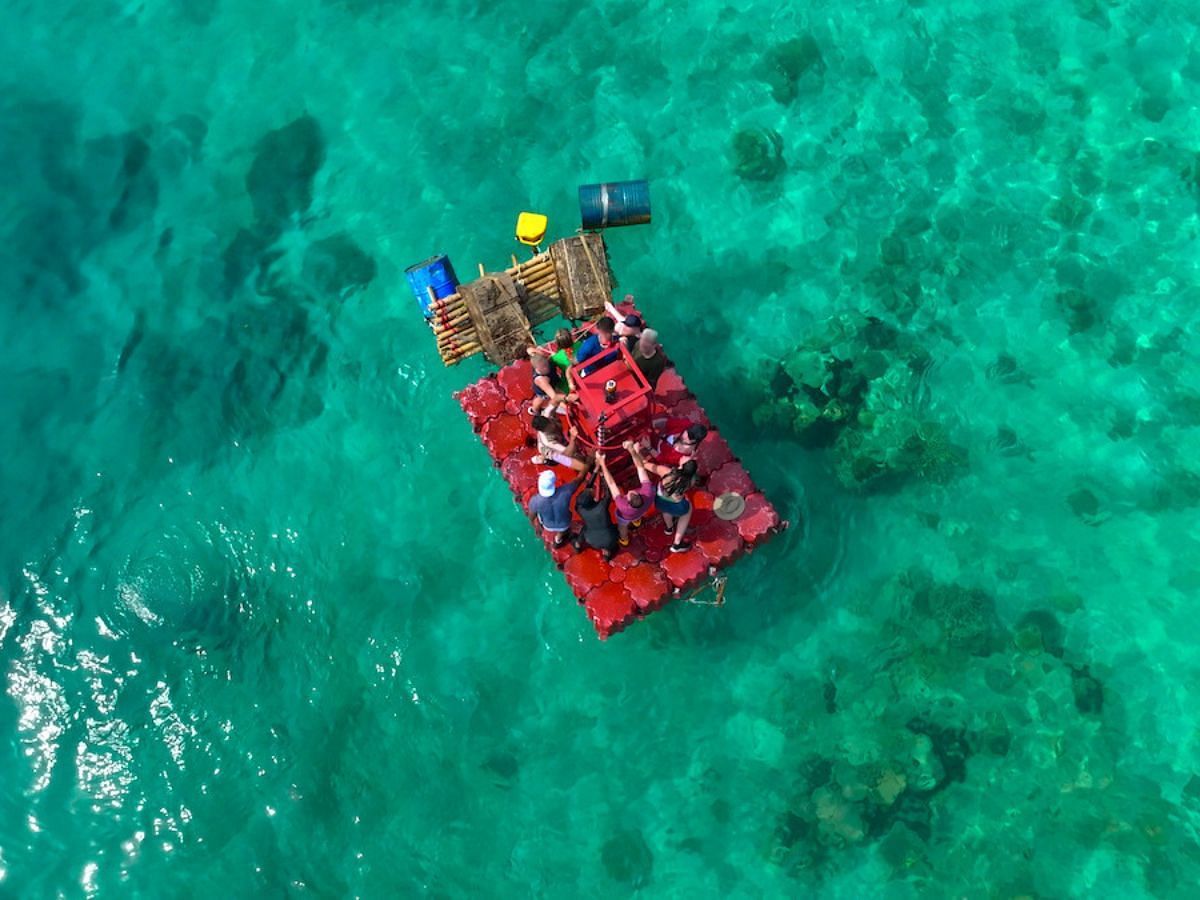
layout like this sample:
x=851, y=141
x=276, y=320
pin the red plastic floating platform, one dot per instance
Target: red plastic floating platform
x=645, y=575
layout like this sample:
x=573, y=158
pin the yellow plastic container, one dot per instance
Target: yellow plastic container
x=531, y=228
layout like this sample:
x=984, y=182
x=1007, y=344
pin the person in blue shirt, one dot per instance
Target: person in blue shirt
x=552, y=506
x=597, y=342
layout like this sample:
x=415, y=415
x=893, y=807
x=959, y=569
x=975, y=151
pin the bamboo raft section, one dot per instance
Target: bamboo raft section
x=495, y=314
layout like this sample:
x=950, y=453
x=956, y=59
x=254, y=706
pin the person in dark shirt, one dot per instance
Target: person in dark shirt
x=552, y=506
x=649, y=357
x=550, y=390
x=598, y=529
x=602, y=339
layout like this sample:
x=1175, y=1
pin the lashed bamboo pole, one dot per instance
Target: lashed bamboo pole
x=441, y=323
x=465, y=337
x=451, y=358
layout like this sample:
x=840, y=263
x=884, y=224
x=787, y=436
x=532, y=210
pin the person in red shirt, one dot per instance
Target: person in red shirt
x=682, y=438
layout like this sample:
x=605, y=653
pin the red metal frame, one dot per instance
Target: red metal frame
x=600, y=424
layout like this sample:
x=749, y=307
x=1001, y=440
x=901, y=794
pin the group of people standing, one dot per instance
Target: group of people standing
x=665, y=463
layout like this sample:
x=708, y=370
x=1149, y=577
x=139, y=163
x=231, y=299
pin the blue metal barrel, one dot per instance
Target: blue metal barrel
x=437, y=273
x=614, y=203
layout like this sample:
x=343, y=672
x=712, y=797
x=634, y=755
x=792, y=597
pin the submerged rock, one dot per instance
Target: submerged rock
x=758, y=155
x=966, y=616
x=1087, y=690
x=504, y=765
x=138, y=185
x=1086, y=506
x=627, y=858
x=286, y=160
x=337, y=266
x=1006, y=370
x=792, y=63
x=245, y=255
x=1039, y=628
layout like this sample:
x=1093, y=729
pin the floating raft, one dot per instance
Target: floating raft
x=644, y=576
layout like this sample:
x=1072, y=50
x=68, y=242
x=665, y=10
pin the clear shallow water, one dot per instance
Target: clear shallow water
x=271, y=625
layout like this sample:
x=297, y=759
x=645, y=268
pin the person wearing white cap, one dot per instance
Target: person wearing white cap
x=552, y=505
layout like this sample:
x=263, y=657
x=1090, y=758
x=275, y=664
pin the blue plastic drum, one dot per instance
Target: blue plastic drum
x=614, y=203
x=437, y=273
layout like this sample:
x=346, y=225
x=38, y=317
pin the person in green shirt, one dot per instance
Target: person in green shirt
x=560, y=362
x=564, y=349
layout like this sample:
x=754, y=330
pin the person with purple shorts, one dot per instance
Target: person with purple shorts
x=631, y=505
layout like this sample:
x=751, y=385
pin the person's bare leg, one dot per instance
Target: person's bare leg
x=623, y=532
x=681, y=528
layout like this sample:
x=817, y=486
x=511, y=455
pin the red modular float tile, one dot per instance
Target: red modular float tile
x=504, y=436
x=647, y=585
x=610, y=608
x=560, y=555
x=758, y=519
x=719, y=541
x=730, y=477
x=654, y=536
x=516, y=380
x=669, y=382
x=702, y=503
x=616, y=573
x=714, y=452
x=482, y=401
x=520, y=473
x=687, y=407
x=585, y=570
x=630, y=556
x=685, y=569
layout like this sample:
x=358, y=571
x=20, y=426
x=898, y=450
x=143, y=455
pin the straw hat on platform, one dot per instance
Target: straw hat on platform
x=729, y=506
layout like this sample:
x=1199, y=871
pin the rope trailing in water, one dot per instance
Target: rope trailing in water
x=717, y=586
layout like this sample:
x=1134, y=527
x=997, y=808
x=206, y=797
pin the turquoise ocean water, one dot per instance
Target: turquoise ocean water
x=270, y=624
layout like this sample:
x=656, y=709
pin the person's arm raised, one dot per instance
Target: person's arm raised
x=608, y=478
x=632, y=449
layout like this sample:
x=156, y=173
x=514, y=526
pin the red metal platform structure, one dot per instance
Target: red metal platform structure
x=615, y=400
x=643, y=576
